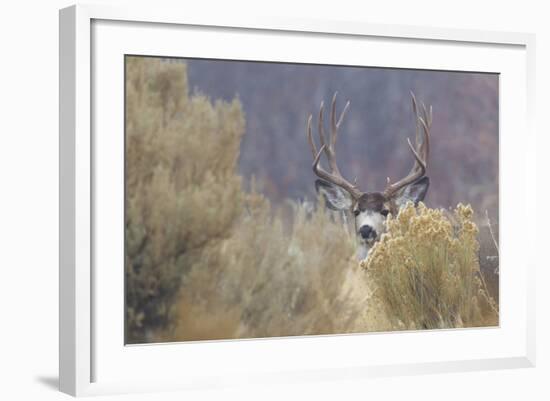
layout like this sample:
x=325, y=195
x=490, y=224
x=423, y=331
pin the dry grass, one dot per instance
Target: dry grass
x=266, y=280
x=181, y=188
x=426, y=271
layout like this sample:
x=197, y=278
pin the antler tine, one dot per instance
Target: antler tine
x=426, y=115
x=334, y=176
x=415, y=111
x=335, y=125
x=426, y=142
x=329, y=149
x=420, y=152
x=310, y=137
x=335, y=179
x=320, y=127
x=420, y=164
x=316, y=168
x=415, y=108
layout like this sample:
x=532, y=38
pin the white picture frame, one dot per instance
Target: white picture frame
x=91, y=362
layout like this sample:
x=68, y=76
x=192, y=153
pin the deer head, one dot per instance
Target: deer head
x=370, y=209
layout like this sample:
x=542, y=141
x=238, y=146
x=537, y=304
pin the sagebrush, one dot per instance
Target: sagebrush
x=266, y=279
x=181, y=156
x=426, y=270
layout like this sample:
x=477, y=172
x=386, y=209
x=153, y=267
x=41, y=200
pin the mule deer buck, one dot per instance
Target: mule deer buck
x=370, y=209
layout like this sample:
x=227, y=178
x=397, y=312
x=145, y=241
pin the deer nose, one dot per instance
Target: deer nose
x=366, y=231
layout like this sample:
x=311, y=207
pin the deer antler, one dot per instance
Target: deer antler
x=420, y=151
x=334, y=177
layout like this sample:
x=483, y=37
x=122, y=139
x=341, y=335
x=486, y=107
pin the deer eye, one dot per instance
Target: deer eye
x=356, y=212
x=385, y=212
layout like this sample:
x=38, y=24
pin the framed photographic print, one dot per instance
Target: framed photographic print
x=317, y=200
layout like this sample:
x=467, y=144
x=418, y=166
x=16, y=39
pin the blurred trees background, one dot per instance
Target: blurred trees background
x=277, y=98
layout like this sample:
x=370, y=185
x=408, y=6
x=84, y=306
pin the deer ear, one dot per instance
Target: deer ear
x=335, y=197
x=414, y=192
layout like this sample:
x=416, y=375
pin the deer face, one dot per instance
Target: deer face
x=370, y=212
x=370, y=209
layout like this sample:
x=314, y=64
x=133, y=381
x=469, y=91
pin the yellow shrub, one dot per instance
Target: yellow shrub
x=268, y=278
x=182, y=190
x=426, y=270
